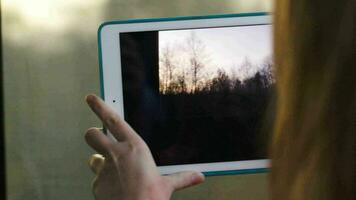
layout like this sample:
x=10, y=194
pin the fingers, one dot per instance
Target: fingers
x=117, y=126
x=98, y=141
x=96, y=163
x=185, y=179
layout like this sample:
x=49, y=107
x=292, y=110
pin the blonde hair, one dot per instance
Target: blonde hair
x=313, y=148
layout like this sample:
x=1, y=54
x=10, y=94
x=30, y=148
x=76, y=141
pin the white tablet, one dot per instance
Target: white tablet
x=196, y=89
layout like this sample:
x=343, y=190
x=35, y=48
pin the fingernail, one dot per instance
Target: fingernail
x=198, y=177
x=201, y=175
x=89, y=97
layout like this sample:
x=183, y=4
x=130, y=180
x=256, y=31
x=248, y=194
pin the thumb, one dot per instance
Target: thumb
x=96, y=163
x=185, y=179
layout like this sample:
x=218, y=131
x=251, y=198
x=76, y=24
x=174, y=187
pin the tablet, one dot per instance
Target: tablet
x=196, y=89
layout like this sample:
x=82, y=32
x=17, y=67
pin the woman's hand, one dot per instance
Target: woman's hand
x=125, y=170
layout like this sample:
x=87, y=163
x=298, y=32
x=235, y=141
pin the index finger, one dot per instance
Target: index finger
x=116, y=125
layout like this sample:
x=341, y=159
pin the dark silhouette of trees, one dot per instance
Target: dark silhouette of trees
x=245, y=68
x=173, y=88
x=197, y=57
x=182, y=82
x=221, y=83
x=188, y=76
x=254, y=83
x=268, y=70
x=236, y=84
x=168, y=67
x=224, y=112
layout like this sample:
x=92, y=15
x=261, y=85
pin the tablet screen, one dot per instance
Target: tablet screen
x=199, y=95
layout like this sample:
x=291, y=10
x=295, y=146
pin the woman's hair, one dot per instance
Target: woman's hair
x=313, y=148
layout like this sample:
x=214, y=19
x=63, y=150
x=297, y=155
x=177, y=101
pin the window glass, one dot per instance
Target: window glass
x=50, y=64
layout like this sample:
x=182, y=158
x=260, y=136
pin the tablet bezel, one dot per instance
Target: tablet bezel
x=111, y=77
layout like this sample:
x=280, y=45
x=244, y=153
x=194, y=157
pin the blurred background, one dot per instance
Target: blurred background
x=50, y=64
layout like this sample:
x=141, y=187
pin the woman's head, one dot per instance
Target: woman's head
x=314, y=143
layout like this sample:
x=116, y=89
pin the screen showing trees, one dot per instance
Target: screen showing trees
x=199, y=95
x=214, y=59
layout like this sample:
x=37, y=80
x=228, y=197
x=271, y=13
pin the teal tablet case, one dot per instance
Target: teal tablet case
x=130, y=21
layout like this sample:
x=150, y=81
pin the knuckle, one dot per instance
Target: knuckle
x=111, y=119
x=131, y=147
x=136, y=147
